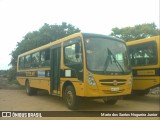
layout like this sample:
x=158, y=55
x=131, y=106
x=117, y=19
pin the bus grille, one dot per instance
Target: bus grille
x=112, y=92
x=112, y=82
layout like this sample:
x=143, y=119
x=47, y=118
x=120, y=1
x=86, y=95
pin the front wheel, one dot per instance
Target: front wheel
x=110, y=100
x=70, y=98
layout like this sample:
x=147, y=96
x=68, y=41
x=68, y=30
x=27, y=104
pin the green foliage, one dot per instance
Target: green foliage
x=3, y=73
x=9, y=74
x=12, y=74
x=136, y=32
x=46, y=34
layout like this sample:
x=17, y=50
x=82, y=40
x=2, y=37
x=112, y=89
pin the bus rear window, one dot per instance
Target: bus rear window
x=143, y=54
x=21, y=62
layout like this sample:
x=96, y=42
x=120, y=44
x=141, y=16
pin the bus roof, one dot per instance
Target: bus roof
x=68, y=37
x=101, y=35
x=50, y=44
x=142, y=40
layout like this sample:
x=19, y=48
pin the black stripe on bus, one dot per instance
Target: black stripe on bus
x=136, y=72
x=46, y=73
x=72, y=73
x=39, y=73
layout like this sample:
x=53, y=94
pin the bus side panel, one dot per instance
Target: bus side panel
x=144, y=83
x=78, y=85
x=79, y=88
x=41, y=83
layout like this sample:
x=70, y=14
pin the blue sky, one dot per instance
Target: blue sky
x=19, y=17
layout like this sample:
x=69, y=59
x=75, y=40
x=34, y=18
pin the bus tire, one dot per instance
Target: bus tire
x=29, y=90
x=70, y=98
x=110, y=101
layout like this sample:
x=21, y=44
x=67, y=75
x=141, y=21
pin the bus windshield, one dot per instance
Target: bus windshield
x=106, y=56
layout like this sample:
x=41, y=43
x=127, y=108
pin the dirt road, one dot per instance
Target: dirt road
x=17, y=100
x=14, y=98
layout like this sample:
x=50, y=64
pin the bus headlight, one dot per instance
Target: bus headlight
x=91, y=80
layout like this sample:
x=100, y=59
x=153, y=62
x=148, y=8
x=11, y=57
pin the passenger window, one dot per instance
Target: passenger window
x=73, y=54
x=45, y=58
x=27, y=61
x=35, y=59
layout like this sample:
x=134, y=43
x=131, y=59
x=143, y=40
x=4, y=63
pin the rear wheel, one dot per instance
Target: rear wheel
x=29, y=90
x=110, y=100
x=70, y=98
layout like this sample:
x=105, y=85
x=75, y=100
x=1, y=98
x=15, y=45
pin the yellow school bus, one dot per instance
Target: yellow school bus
x=145, y=61
x=76, y=66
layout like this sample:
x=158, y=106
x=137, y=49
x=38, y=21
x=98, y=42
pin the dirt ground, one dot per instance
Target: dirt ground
x=17, y=100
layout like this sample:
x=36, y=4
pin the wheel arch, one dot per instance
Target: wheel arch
x=67, y=83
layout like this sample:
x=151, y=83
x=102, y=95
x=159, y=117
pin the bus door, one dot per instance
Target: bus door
x=55, y=69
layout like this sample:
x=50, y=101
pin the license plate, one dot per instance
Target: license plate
x=114, y=89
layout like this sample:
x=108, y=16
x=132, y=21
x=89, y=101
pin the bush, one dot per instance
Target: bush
x=12, y=73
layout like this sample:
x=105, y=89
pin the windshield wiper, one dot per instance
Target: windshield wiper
x=108, y=59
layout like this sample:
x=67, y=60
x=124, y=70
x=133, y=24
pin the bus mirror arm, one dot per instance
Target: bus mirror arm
x=77, y=50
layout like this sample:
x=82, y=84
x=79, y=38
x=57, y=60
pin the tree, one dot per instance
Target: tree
x=136, y=32
x=12, y=74
x=46, y=34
